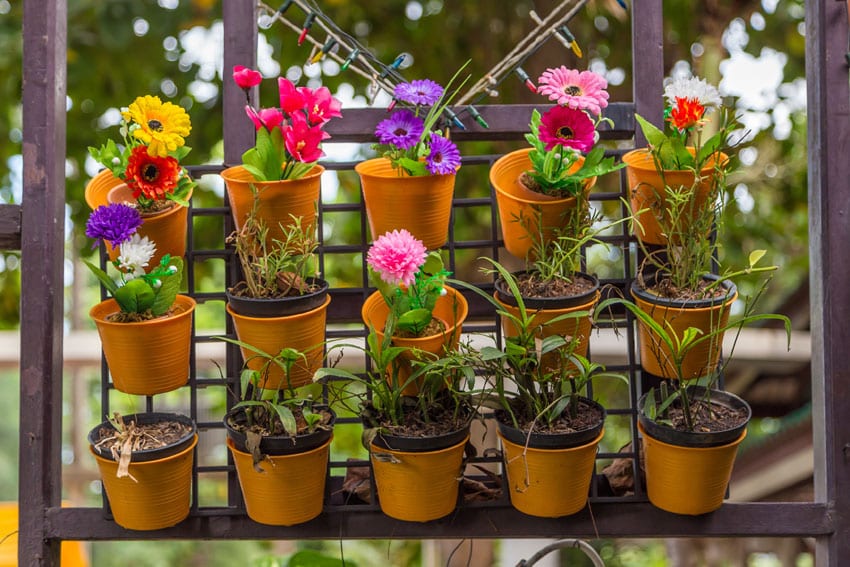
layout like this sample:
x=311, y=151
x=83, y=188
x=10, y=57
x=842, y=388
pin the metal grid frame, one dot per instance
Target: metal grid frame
x=38, y=223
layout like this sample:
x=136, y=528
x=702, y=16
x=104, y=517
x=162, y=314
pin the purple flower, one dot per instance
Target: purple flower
x=114, y=223
x=444, y=158
x=402, y=130
x=424, y=91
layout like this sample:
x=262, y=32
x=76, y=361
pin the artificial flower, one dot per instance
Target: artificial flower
x=402, y=129
x=692, y=88
x=114, y=223
x=686, y=113
x=135, y=255
x=246, y=78
x=396, y=257
x=162, y=126
x=444, y=157
x=420, y=92
x=584, y=90
x=567, y=127
x=289, y=136
x=151, y=176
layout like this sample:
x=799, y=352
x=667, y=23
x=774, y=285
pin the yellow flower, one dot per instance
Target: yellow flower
x=162, y=126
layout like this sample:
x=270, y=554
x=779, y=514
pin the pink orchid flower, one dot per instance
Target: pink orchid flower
x=302, y=140
x=291, y=98
x=321, y=105
x=246, y=78
x=268, y=118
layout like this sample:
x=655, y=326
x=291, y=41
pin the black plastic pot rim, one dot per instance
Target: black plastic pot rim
x=505, y=296
x=552, y=440
x=404, y=444
x=143, y=419
x=278, y=306
x=650, y=297
x=275, y=445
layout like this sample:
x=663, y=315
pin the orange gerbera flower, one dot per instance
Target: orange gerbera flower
x=687, y=113
x=151, y=176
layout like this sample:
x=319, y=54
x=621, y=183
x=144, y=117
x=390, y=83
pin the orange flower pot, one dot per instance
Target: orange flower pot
x=417, y=486
x=516, y=202
x=656, y=358
x=452, y=308
x=278, y=199
x=687, y=480
x=549, y=483
x=148, y=357
x=289, y=491
x=648, y=191
x=422, y=204
x=161, y=497
x=167, y=229
x=578, y=328
x=304, y=332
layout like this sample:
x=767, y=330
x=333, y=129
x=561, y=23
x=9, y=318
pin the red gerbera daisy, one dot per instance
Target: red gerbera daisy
x=151, y=176
x=687, y=113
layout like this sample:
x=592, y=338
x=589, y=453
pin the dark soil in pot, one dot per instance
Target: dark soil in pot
x=719, y=418
x=660, y=290
x=292, y=302
x=441, y=428
x=273, y=439
x=151, y=436
x=564, y=432
x=538, y=293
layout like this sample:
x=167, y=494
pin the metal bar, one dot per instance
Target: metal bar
x=359, y=522
x=829, y=137
x=42, y=247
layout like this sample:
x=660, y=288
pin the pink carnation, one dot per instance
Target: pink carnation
x=396, y=257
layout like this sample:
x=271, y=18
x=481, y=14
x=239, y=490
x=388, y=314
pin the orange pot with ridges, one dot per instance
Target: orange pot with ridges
x=647, y=191
x=687, y=480
x=549, y=483
x=278, y=199
x=167, y=229
x=421, y=204
x=289, y=491
x=417, y=487
x=656, y=358
x=520, y=209
x=304, y=332
x=148, y=357
x=451, y=308
x=161, y=497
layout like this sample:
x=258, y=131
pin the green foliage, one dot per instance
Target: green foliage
x=154, y=292
x=411, y=309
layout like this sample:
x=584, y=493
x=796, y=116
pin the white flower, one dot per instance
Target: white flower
x=156, y=284
x=116, y=161
x=135, y=255
x=694, y=89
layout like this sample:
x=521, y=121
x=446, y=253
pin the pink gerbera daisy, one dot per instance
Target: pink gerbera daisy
x=568, y=127
x=576, y=89
x=396, y=257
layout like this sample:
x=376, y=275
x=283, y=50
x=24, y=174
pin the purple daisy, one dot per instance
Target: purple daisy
x=565, y=126
x=402, y=130
x=424, y=91
x=115, y=223
x=444, y=158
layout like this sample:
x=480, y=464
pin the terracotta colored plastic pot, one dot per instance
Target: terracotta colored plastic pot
x=278, y=199
x=304, y=332
x=687, y=480
x=161, y=497
x=148, y=357
x=167, y=229
x=648, y=191
x=578, y=328
x=452, y=308
x=422, y=205
x=549, y=483
x=517, y=202
x=290, y=491
x=417, y=486
x=656, y=358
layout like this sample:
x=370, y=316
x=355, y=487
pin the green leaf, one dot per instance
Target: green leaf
x=136, y=296
x=653, y=135
x=433, y=263
x=414, y=168
x=755, y=256
x=107, y=282
x=649, y=409
x=414, y=321
x=286, y=418
x=167, y=292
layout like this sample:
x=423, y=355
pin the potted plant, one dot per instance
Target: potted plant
x=145, y=462
x=546, y=186
x=145, y=173
x=280, y=303
x=281, y=168
x=411, y=185
x=691, y=430
x=280, y=441
x=146, y=328
x=549, y=431
x=416, y=442
x=412, y=308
